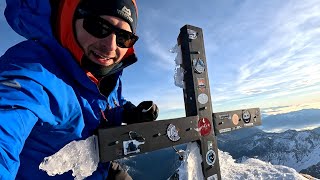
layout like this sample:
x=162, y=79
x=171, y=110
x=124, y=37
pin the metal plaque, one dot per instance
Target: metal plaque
x=204, y=126
x=211, y=157
x=203, y=98
x=199, y=65
x=173, y=133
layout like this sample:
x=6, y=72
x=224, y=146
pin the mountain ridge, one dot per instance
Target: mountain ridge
x=297, y=149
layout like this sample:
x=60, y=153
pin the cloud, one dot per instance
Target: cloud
x=287, y=56
x=161, y=53
x=258, y=53
x=287, y=109
x=298, y=119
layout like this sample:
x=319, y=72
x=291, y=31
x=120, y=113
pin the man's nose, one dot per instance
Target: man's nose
x=109, y=43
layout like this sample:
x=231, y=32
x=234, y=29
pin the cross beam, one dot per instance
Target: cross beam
x=200, y=125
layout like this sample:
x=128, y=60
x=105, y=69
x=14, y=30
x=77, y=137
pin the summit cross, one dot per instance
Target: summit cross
x=200, y=125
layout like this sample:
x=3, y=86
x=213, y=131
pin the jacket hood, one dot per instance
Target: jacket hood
x=29, y=18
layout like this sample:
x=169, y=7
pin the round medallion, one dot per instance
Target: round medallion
x=235, y=119
x=204, y=126
x=173, y=133
x=203, y=98
x=211, y=157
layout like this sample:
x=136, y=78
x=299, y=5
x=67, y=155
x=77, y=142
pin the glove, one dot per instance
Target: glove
x=144, y=112
x=148, y=111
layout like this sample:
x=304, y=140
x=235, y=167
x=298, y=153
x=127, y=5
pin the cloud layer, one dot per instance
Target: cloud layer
x=257, y=52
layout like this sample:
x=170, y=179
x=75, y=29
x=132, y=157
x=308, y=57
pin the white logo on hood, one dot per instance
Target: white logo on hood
x=126, y=13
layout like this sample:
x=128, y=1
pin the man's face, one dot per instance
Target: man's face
x=102, y=51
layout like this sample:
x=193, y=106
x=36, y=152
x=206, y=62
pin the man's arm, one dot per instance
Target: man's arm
x=15, y=126
x=19, y=98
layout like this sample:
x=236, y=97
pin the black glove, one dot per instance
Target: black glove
x=144, y=112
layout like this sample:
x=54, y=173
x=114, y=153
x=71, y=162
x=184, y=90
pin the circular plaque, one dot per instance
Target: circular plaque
x=235, y=119
x=203, y=98
x=204, y=126
x=211, y=157
x=173, y=133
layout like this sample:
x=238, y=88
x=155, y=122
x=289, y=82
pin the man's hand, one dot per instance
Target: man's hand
x=144, y=112
x=148, y=111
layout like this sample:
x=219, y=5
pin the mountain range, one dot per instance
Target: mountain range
x=297, y=149
x=301, y=119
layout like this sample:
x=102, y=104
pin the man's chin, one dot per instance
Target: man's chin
x=97, y=69
x=103, y=62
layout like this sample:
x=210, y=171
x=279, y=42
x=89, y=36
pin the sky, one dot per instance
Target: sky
x=259, y=53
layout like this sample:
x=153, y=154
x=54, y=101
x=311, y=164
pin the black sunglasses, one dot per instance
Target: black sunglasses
x=101, y=28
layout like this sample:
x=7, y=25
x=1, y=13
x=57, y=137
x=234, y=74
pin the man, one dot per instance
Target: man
x=64, y=81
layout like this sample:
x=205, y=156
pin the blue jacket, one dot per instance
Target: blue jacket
x=46, y=99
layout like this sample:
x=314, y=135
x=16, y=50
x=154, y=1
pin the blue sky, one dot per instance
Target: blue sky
x=260, y=53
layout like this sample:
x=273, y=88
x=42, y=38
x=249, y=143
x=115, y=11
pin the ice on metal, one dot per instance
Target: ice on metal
x=179, y=71
x=82, y=157
x=177, y=49
x=191, y=168
x=178, y=77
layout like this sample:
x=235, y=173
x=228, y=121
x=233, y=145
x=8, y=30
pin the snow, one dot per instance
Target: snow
x=191, y=166
x=250, y=169
x=254, y=169
x=312, y=159
x=298, y=150
x=178, y=71
x=303, y=151
x=81, y=157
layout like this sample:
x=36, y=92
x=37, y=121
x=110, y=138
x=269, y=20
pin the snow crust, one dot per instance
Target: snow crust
x=178, y=71
x=191, y=165
x=82, y=157
x=254, y=169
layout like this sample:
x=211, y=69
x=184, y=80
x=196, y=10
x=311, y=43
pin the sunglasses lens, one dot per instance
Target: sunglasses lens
x=96, y=28
x=125, y=39
x=100, y=28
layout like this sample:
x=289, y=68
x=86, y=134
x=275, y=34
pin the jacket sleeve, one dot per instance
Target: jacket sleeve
x=20, y=98
x=15, y=126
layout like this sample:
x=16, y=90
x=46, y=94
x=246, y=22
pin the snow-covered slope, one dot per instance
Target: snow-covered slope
x=296, y=149
x=251, y=169
x=312, y=170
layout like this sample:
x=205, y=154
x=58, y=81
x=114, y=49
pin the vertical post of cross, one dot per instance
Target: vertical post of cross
x=197, y=96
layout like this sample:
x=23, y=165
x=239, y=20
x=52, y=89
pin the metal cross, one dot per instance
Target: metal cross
x=200, y=125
